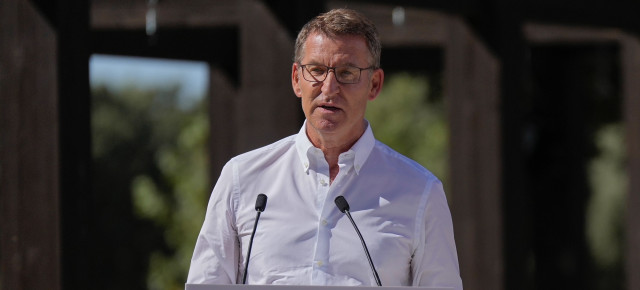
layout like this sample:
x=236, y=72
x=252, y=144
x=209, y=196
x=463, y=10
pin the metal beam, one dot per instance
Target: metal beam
x=132, y=15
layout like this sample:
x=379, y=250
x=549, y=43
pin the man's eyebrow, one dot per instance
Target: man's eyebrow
x=350, y=64
x=322, y=64
x=340, y=65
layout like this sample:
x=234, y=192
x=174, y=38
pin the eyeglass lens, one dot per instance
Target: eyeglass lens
x=344, y=74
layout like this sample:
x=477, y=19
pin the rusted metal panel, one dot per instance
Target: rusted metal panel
x=29, y=214
x=472, y=76
x=631, y=90
x=267, y=107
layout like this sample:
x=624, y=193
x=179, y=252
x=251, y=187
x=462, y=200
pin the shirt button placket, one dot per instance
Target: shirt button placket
x=322, y=248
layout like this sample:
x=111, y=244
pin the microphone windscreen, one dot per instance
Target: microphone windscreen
x=342, y=203
x=261, y=202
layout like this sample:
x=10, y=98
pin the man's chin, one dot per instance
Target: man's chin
x=325, y=126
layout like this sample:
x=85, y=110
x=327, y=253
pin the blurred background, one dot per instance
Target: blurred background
x=117, y=116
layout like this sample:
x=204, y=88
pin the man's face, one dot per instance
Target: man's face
x=332, y=108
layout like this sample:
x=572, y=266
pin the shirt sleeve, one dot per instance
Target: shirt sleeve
x=435, y=260
x=216, y=254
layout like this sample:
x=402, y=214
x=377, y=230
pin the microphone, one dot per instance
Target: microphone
x=343, y=206
x=261, y=204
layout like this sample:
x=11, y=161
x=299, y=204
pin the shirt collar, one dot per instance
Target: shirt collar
x=362, y=147
x=303, y=145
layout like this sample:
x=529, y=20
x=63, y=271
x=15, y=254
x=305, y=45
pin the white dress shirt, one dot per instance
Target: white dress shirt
x=302, y=238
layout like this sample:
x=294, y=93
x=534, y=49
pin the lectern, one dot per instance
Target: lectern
x=294, y=287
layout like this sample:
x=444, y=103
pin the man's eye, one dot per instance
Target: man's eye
x=346, y=73
x=317, y=70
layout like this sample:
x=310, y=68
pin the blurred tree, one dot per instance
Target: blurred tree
x=410, y=117
x=149, y=183
x=180, y=211
x=605, y=210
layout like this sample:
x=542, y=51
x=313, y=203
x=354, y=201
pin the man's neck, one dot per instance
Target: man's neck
x=332, y=145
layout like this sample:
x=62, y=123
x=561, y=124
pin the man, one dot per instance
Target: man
x=302, y=238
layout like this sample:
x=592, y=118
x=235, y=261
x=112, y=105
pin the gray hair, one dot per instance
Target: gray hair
x=338, y=22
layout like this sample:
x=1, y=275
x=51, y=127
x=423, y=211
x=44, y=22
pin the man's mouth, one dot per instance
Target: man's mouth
x=330, y=108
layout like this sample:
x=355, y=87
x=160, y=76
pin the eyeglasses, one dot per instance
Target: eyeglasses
x=345, y=74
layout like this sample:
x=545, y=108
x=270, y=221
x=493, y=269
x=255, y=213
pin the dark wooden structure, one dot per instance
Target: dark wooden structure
x=45, y=197
x=29, y=154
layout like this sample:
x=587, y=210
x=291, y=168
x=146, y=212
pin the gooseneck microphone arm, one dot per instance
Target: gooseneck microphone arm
x=261, y=204
x=343, y=206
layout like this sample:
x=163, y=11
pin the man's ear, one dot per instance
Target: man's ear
x=295, y=80
x=377, y=80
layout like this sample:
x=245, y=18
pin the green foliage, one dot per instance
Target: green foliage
x=605, y=210
x=411, y=120
x=180, y=211
x=151, y=184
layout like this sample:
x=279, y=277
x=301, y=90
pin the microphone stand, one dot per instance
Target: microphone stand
x=261, y=203
x=343, y=206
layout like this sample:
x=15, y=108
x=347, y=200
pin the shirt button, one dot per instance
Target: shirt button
x=306, y=165
x=324, y=222
x=323, y=182
x=319, y=263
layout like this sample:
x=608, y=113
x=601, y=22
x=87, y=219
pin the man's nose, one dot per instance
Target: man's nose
x=330, y=85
